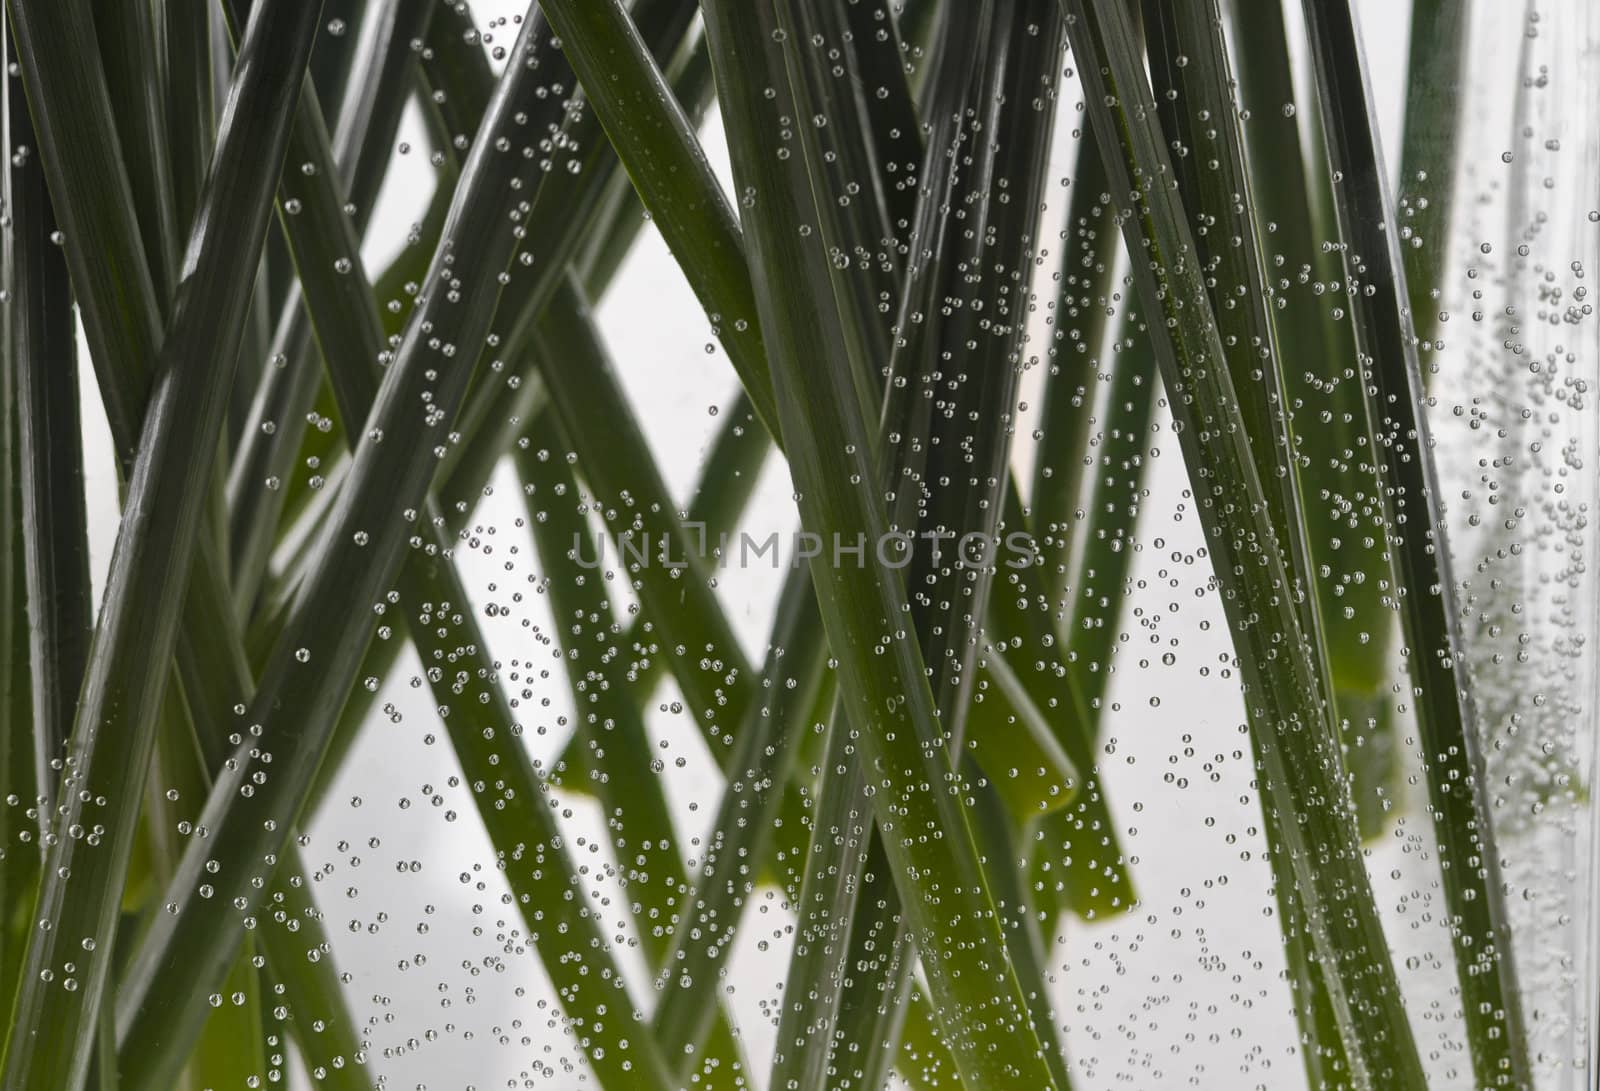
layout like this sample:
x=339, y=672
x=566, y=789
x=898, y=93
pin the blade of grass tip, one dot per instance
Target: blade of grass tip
x=48, y=453
x=624, y=777
x=661, y=153
x=313, y=664
x=1420, y=560
x=664, y=562
x=114, y=733
x=127, y=47
x=1301, y=768
x=1077, y=331
x=888, y=701
x=1323, y=391
x=278, y=412
x=1430, y=148
x=191, y=118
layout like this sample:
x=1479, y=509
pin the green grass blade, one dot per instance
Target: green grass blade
x=332, y=56
x=963, y=485
x=1324, y=394
x=662, y=25
x=114, y=733
x=829, y=896
x=743, y=830
x=1430, y=149
x=191, y=118
x=727, y=481
x=1085, y=860
x=619, y=207
x=117, y=300
x=889, y=704
x=1194, y=89
x=211, y=663
x=229, y=1051
x=19, y=862
x=322, y=238
x=1299, y=759
x=662, y=154
x=312, y=667
x=855, y=219
x=1194, y=82
x=127, y=37
x=1078, y=323
x=1391, y=376
x=896, y=129
x=570, y=197
x=49, y=454
x=1013, y=741
x=266, y=458
x=649, y=538
x=874, y=1003
x=308, y=989
x=623, y=776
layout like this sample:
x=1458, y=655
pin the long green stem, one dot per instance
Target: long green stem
x=1420, y=558
x=888, y=701
x=314, y=661
x=277, y=418
x=1301, y=770
x=114, y=733
x=49, y=453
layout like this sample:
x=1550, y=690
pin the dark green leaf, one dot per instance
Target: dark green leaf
x=114, y=734
x=1392, y=380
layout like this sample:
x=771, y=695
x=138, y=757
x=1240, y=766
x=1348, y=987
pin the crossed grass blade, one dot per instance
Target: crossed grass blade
x=114, y=732
x=887, y=699
x=1419, y=556
x=1286, y=696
